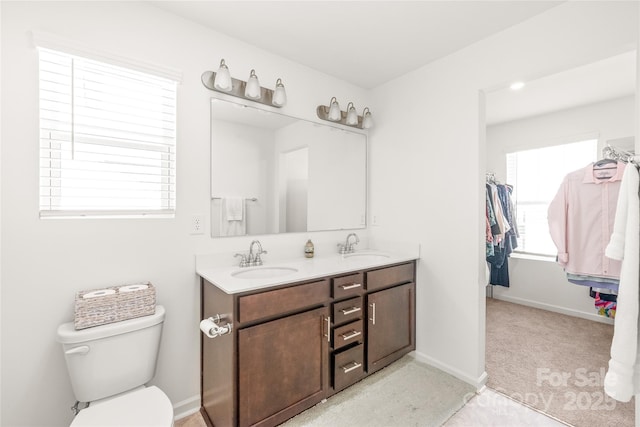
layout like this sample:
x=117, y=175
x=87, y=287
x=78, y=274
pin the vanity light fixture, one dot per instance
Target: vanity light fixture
x=221, y=81
x=279, y=94
x=367, y=121
x=252, y=89
x=351, y=118
x=223, y=78
x=352, y=115
x=334, y=110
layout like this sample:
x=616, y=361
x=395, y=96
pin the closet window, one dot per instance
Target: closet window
x=107, y=139
x=536, y=175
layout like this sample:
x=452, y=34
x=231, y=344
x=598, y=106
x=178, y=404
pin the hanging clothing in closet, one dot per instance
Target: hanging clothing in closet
x=581, y=218
x=501, y=231
x=622, y=380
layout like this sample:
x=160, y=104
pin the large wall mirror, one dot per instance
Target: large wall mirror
x=272, y=173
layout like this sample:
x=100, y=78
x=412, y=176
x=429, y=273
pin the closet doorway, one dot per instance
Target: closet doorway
x=546, y=344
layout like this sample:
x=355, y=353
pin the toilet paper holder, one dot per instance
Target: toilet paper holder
x=212, y=328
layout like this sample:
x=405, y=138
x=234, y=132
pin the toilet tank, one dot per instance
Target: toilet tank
x=110, y=359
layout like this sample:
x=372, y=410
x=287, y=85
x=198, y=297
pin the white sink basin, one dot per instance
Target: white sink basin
x=263, y=272
x=366, y=256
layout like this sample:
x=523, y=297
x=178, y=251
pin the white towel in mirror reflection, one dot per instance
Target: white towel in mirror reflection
x=232, y=217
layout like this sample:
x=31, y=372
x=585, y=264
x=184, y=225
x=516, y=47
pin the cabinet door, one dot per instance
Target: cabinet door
x=391, y=325
x=283, y=367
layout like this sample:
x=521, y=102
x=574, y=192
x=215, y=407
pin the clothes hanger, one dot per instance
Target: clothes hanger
x=600, y=163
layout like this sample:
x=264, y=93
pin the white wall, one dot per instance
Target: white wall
x=541, y=283
x=44, y=262
x=428, y=162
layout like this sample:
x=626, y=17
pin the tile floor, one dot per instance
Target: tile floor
x=487, y=408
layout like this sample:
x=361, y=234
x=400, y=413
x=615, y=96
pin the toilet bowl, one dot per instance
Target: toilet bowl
x=109, y=366
x=146, y=407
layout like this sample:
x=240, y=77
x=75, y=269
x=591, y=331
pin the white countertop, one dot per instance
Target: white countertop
x=303, y=269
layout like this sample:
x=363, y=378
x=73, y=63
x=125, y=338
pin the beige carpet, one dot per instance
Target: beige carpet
x=554, y=363
x=406, y=393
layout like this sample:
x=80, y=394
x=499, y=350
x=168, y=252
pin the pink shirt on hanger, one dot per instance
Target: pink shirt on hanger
x=581, y=218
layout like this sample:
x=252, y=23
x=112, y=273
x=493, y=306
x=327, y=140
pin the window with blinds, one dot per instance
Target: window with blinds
x=107, y=139
x=536, y=176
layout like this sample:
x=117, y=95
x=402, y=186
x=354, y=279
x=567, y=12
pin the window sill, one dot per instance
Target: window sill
x=532, y=257
x=106, y=214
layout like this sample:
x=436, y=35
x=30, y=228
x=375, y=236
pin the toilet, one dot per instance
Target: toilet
x=109, y=366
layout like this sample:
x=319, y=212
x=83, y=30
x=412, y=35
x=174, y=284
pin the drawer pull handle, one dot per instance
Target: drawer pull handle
x=373, y=312
x=354, y=365
x=353, y=286
x=347, y=311
x=328, y=335
x=351, y=335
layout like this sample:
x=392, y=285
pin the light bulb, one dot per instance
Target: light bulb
x=367, y=121
x=352, y=115
x=279, y=94
x=252, y=89
x=223, y=78
x=334, y=110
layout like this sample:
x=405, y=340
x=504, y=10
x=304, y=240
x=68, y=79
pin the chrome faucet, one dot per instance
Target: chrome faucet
x=251, y=259
x=347, y=247
x=254, y=258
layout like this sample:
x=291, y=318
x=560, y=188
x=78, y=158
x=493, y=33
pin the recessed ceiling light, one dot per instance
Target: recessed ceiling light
x=516, y=85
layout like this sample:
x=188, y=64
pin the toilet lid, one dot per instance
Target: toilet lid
x=145, y=407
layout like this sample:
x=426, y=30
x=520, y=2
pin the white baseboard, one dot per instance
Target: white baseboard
x=555, y=309
x=186, y=407
x=478, y=382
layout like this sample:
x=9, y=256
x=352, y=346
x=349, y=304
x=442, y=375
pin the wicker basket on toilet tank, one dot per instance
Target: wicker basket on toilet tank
x=94, y=307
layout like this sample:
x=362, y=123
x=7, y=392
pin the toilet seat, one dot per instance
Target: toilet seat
x=144, y=407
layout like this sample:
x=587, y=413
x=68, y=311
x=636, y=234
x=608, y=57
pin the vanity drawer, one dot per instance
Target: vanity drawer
x=347, y=334
x=348, y=367
x=347, y=310
x=348, y=285
x=390, y=276
x=270, y=303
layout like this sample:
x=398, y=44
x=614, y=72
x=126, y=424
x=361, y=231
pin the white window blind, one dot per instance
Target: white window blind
x=536, y=176
x=107, y=139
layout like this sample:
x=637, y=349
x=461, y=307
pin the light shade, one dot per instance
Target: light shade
x=223, y=78
x=279, y=94
x=367, y=121
x=352, y=115
x=334, y=110
x=252, y=90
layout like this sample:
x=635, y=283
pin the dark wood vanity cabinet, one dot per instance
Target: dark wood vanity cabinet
x=390, y=314
x=391, y=331
x=296, y=344
x=282, y=364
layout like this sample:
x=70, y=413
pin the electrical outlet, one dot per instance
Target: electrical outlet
x=197, y=224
